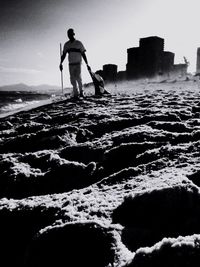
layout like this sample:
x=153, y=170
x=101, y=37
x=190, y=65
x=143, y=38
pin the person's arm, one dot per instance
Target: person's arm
x=61, y=61
x=85, y=59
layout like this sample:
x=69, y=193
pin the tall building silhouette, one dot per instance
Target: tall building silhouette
x=198, y=61
x=133, y=66
x=149, y=59
x=167, y=61
x=110, y=72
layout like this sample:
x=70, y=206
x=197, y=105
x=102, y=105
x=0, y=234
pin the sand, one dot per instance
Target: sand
x=110, y=181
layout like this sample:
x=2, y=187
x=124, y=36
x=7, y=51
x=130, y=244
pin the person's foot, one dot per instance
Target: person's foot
x=75, y=97
x=82, y=94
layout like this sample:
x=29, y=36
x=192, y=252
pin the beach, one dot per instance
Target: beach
x=115, y=177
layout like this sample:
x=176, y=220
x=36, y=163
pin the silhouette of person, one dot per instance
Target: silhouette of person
x=76, y=51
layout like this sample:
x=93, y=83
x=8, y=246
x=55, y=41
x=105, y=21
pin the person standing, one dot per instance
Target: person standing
x=76, y=51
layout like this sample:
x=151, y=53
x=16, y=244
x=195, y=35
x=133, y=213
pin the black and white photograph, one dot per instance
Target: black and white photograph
x=99, y=133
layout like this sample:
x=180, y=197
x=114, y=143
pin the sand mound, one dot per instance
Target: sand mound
x=80, y=244
x=150, y=216
x=180, y=252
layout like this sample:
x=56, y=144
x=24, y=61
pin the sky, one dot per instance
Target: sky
x=31, y=33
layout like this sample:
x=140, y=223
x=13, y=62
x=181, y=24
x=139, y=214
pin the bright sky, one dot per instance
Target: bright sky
x=30, y=33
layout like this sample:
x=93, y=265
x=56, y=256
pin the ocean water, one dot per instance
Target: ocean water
x=12, y=101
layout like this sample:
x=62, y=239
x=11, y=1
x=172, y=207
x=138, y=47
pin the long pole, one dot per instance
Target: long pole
x=61, y=70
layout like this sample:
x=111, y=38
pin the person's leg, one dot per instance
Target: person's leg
x=79, y=79
x=72, y=72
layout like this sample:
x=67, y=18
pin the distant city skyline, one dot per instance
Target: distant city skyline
x=30, y=33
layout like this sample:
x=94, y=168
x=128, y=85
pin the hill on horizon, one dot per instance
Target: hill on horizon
x=24, y=87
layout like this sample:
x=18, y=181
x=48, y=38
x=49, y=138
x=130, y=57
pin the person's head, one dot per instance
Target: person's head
x=70, y=34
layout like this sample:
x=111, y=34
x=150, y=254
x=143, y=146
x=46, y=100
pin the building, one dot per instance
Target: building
x=134, y=61
x=149, y=60
x=145, y=60
x=167, y=62
x=198, y=61
x=110, y=72
x=179, y=70
x=121, y=76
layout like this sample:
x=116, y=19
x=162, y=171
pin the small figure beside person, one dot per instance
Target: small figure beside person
x=76, y=51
